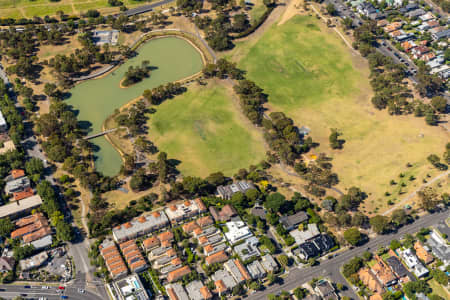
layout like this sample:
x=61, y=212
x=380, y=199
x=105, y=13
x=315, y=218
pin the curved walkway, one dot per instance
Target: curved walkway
x=413, y=194
x=101, y=72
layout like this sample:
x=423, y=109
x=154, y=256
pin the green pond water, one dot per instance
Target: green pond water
x=94, y=100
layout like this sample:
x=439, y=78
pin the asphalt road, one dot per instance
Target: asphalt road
x=11, y=291
x=145, y=8
x=331, y=268
x=386, y=49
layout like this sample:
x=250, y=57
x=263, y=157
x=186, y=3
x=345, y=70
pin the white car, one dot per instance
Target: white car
x=45, y=287
x=81, y=291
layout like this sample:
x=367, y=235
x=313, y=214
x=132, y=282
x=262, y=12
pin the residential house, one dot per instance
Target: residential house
x=414, y=14
x=33, y=262
x=178, y=274
x=237, y=231
x=413, y=263
x=366, y=9
x=423, y=253
x=3, y=124
x=190, y=227
x=427, y=17
x=225, y=214
x=326, y=290
x=130, y=287
x=226, y=192
x=428, y=56
x=36, y=228
x=397, y=267
x=218, y=257
x=417, y=52
x=20, y=208
x=302, y=236
x=248, y=249
x=237, y=270
x=113, y=260
x=269, y=264
x=176, y=291
x=432, y=24
x=151, y=243
x=198, y=291
x=291, y=222
x=224, y=281
x=439, y=247
x=382, y=23
x=408, y=46
x=444, y=34
x=394, y=26
x=370, y=280
x=17, y=185
x=211, y=249
x=27, y=192
x=408, y=7
x=140, y=226
x=183, y=210
x=256, y=270
x=133, y=256
x=6, y=264
x=383, y=273
x=259, y=211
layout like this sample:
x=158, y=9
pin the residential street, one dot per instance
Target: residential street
x=11, y=291
x=330, y=268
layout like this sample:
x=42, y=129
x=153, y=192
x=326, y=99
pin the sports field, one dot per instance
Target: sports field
x=310, y=74
x=41, y=8
x=205, y=131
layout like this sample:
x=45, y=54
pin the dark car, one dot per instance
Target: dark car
x=27, y=287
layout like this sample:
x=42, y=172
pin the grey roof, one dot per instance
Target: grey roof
x=239, y=186
x=325, y=288
x=256, y=270
x=303, y=236
x=231, y=266
x=193, y=289
x=442, y=34
x=439, y=249
x=226, y=277
x=294, y=220
x=33, y=262
x=17, y=207
x=178, y=289
x=397, y=266
x=43, y=242
x=415, y=13
x=248, y=249
x=269, y=263
x=137, y=227
x=18, y=184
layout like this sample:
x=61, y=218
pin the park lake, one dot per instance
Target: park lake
x=95, y=100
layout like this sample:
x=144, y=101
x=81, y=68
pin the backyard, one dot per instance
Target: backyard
x=322, y=84
x=205, y=131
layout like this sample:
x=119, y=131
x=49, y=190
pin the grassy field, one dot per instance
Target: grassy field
x=204, y=130
x=311, y=75
x=40, y=8
x=438, y=289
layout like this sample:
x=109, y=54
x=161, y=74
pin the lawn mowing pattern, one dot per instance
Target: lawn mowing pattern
x=310, y=74
x=202, y=129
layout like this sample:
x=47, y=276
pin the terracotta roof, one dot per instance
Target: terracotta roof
x=220, y=286
x=165, y=244
x=151, y=242
x=171, y=252
x=126, y=244
x=178, y=273
x=205, y=221
x=208, y=249
x=205, y=292
x=382, y=271
x=132, y=254
x=29, y=220
x=44, y=231
x=28, y=192
x=190, y=227
x=370, y=280
x=218, y=257
x=156, y=214
x=173, y=207
x=228, y=211
x=172, y=294
x=422, y=253
x=137, y=264
x=187, y=203
x=39, y=222
x=376, y=297
x=109, y=250
x=165, y=236
x=17, y=173
x=242, y=269
x=142, y=219
x=202, y=240
x=200, y=204
x=176, y=261
x=120, y=270
x=198, y=231
x=127, y=225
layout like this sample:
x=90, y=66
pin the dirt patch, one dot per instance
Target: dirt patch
x=293, y=8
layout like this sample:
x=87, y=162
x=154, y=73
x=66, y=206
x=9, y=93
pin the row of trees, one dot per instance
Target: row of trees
x=136, y=74
x=161, y=93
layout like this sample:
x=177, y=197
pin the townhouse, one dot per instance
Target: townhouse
x=133, y=256
x=178, y=274
x=140, y=226
x=113, y=260
x=183, y=210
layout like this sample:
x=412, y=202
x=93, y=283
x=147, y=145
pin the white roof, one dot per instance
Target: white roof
x=2, y=119
x=237, y=230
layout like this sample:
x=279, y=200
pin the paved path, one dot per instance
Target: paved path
x=93, y=136
x=331, y=267
x=413, y=194
x=145, y=8
x=102, y=71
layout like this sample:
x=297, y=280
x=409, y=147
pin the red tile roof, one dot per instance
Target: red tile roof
x=218, y=257
x=28, y=192
x=17, y=173
x=178, y=274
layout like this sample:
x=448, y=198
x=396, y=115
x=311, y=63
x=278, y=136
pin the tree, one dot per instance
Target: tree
x=329, y=203
x=353, y=236
x=34, y=166
x=352, y=266
x=428, y=198
x=300, y=293
x=395, y=244
x=6, y=227
x=64, y=232
x=255, y=285
x=440, y=104
x=380, y=224
x=331, y=9
x=335, y=142
x=274, y=202
x=399, y=217
x=440, y=276
x=347, y=22
x=283, y=259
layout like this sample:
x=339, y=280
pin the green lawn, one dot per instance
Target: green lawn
x=311, y=75
x=204, y=130
x=40, y=8
x=438, y=289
